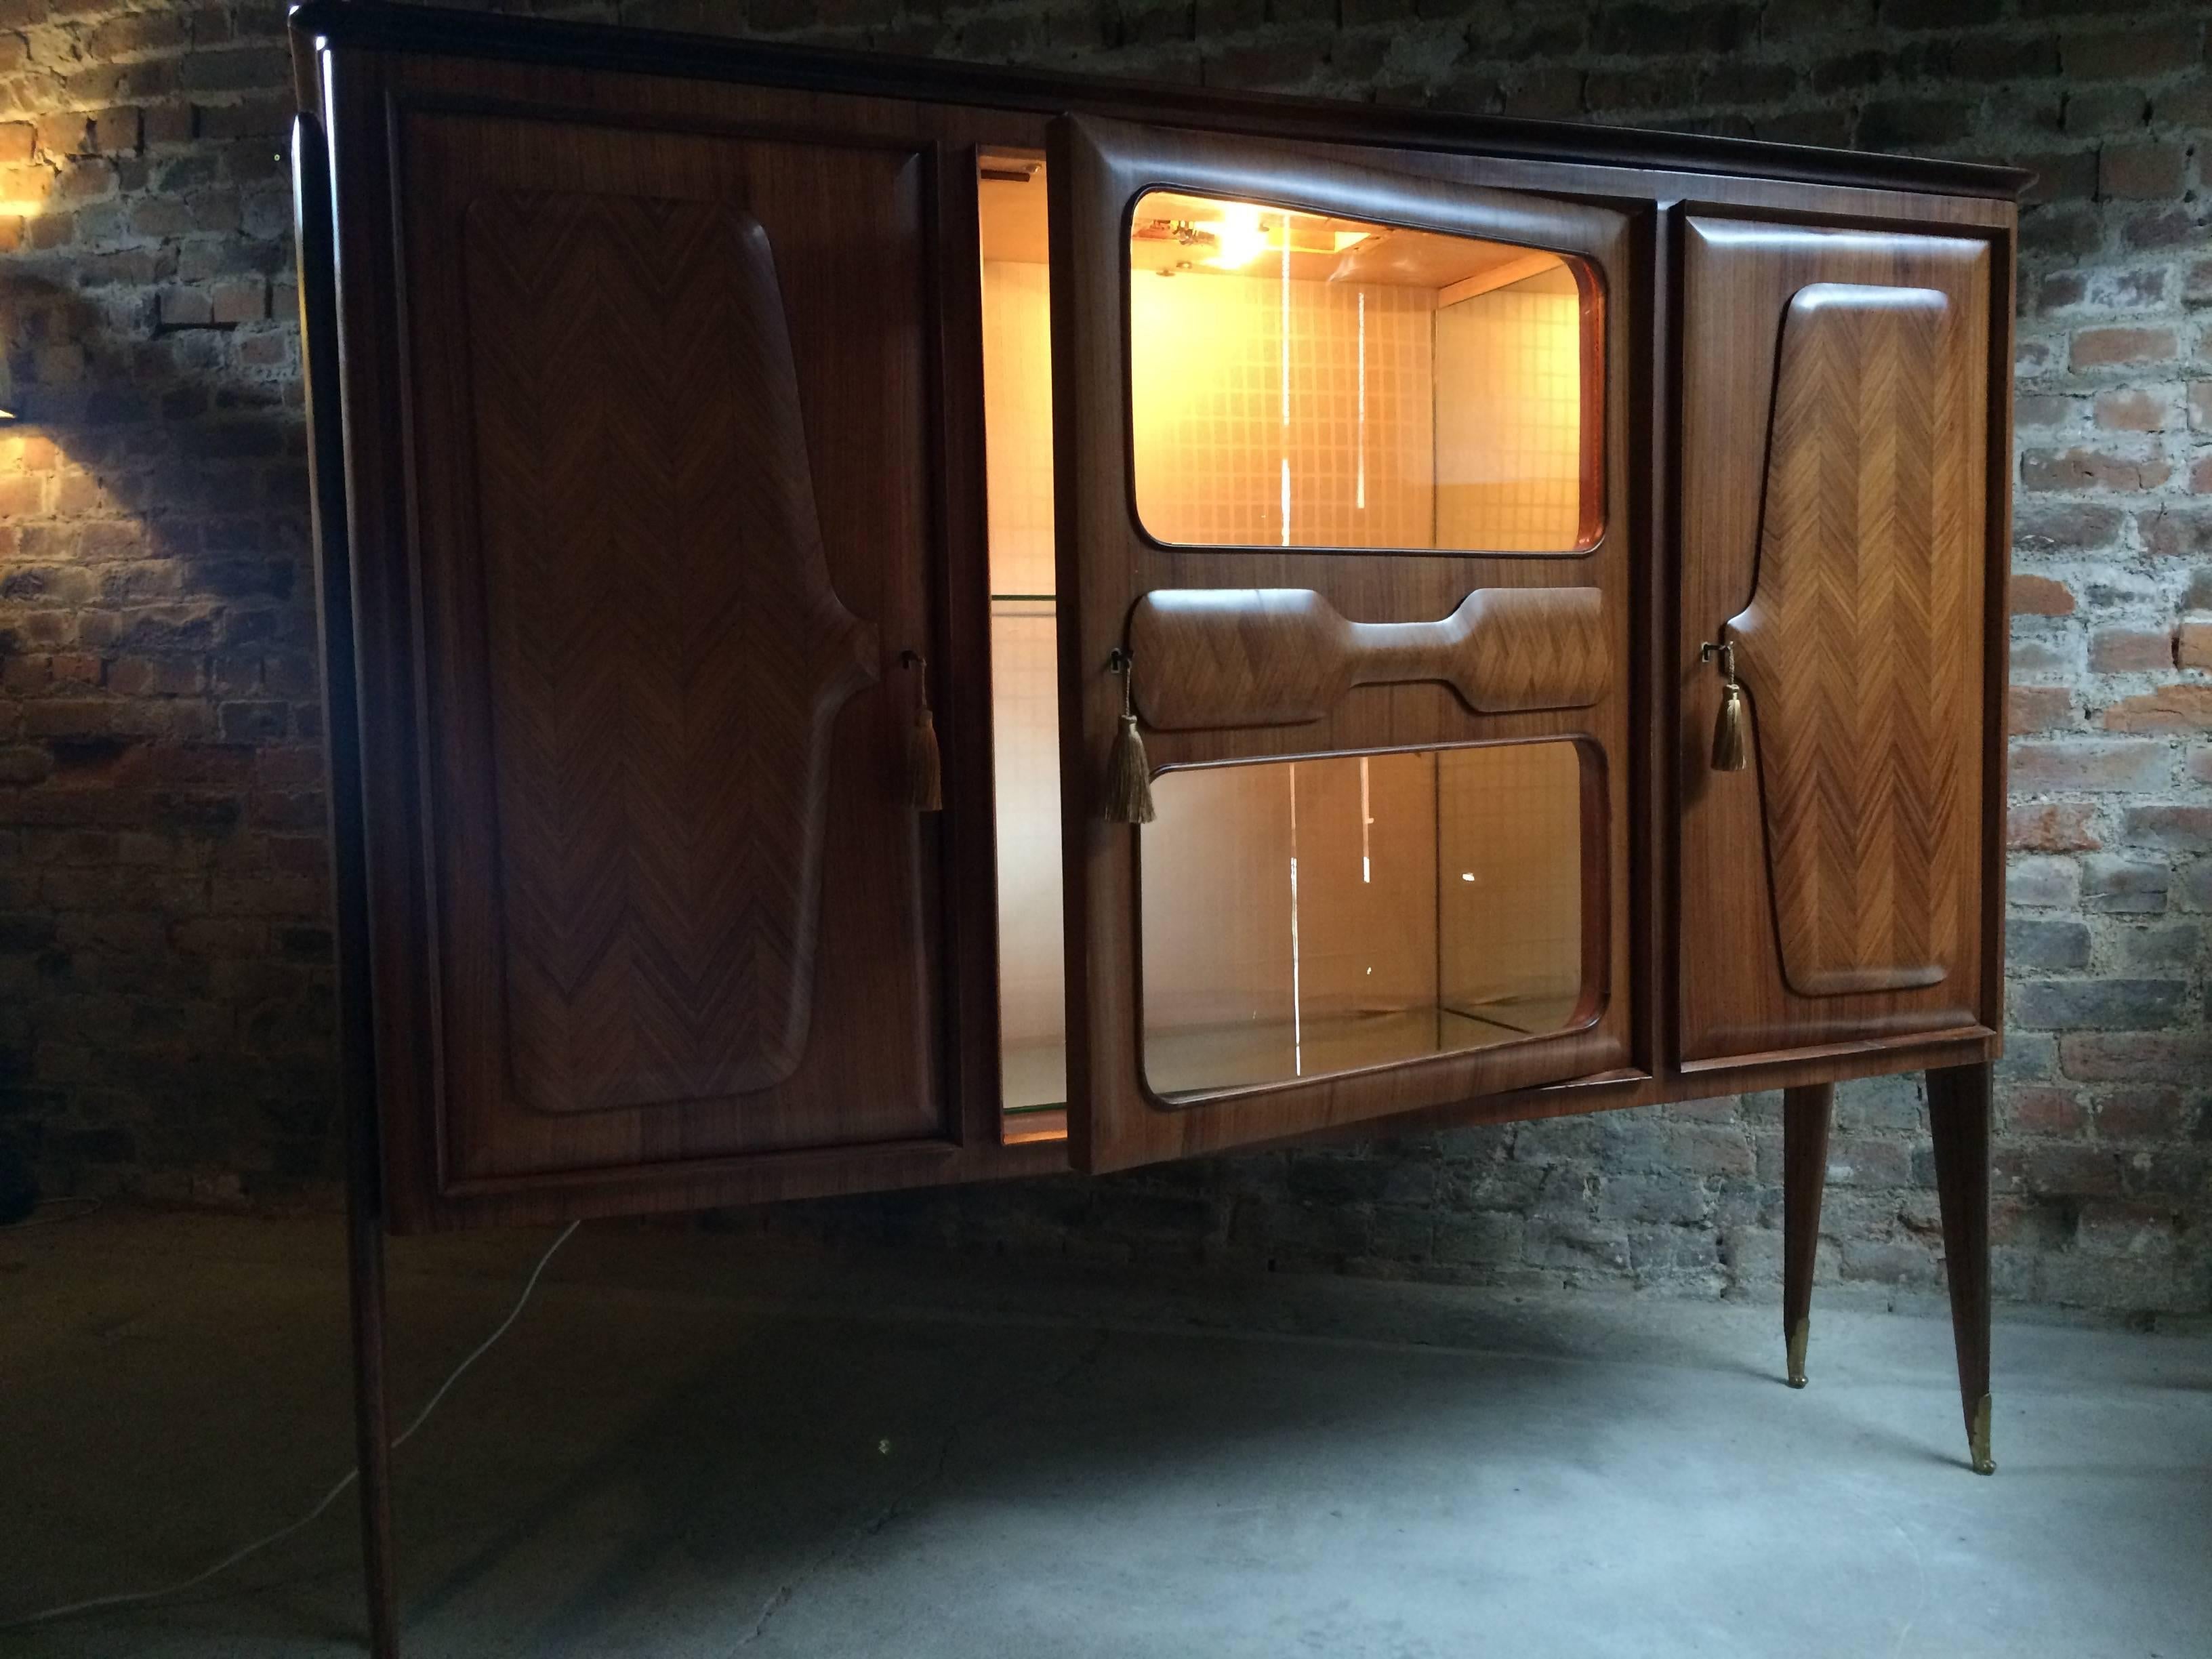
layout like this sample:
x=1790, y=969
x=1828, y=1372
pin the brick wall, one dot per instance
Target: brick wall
x=164, y=987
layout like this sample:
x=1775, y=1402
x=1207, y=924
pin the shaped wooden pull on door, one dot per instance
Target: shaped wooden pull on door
x=1219, y=658
x=1730, y=751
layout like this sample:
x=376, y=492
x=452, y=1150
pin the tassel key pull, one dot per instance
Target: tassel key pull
x=925, y=769
x=1128, y=772
x=1730, y=751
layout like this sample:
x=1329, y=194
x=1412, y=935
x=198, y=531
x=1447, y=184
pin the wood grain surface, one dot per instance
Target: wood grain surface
x=1861, y=701
x=667, y=656
x=835, y=158
x=638, y=693
x=1215, y=658
x=1095, y=170
x=1835, y=504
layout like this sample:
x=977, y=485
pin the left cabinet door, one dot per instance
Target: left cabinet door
x=640, y=443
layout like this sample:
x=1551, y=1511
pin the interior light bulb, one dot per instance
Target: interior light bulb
x=1238, y=238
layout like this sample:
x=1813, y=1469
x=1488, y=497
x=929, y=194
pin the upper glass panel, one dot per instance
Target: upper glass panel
x=1300, y=380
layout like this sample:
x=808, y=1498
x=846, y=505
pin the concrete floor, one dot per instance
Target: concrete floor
x=691, y=1444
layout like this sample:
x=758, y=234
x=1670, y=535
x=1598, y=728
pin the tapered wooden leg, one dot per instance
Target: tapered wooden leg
x=1959, y=1115
x=1805, y=1116
x=373, y=1430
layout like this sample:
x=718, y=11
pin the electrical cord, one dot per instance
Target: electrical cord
x=328, y=1497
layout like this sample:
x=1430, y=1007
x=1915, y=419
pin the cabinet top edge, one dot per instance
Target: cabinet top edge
x=379, y=25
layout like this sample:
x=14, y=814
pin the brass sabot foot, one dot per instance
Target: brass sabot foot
x=1798, y=1332
x=1978, y=1439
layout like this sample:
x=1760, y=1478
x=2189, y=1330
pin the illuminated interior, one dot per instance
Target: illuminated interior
x=1024, y=691
x=1304, y=381
x=1302, y=918
x=1298, y=381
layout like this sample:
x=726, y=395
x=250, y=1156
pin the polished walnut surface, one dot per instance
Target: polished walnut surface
x=1849, y=558
x=1241, y=657
x=668, y=657
x=1862, y=697
x=582, y=801
x=869, y=201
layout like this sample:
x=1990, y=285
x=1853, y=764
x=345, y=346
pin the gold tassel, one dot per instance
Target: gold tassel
x=1727, y=731
x=925, y=770
x=1128, y=772
x=1730, y=751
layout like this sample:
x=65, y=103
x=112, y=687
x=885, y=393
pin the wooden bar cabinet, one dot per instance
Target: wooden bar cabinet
x=889, y=623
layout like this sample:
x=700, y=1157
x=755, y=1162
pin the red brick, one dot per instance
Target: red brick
x=2041, y=1109
x=2100, y=348
x=2135, y=1056
x=2090, y=767
x=2128, y=53
x=2086, y=1171
x=2052, y=827
x=2186, y=708
x=2177, y=532
x=2141, y=172
x=2193, y=645
x=2131, y=650
x=2039, y=707
x=2171, y=828
x=2132, y=409
x=2087, y=469
x=2040, y=596
x=242, y=301
x=155, y=676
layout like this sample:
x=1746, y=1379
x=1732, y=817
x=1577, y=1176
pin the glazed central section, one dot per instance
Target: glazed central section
x=1298, y=381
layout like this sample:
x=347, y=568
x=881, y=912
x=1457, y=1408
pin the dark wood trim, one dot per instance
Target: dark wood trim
x=1807, y=1112
x=383, y=26
x=1996, y=622
x=1959, y=1122
x=356, y=1057
x=961, y=678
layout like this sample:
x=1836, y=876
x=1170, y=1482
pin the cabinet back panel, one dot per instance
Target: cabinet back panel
x=671, y=465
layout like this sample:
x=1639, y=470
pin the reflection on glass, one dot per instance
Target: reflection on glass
x=1302, y=918
x=1298, y=381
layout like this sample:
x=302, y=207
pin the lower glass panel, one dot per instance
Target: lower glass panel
x=1302, y=918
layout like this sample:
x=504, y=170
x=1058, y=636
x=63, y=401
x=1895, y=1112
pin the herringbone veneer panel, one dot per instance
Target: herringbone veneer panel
x=666, y=655
x=1860, y=694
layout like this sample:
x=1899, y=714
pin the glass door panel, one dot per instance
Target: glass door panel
x=1304, y=918
x=1303, y=379
x=1355, y=419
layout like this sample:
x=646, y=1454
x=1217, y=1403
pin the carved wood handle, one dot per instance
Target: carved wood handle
x=1213, y=657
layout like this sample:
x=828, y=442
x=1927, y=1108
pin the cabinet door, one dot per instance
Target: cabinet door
x=1836, y=500
x=656, y=922
x=1341, y=476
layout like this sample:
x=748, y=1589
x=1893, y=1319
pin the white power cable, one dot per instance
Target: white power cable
x=330, y=1496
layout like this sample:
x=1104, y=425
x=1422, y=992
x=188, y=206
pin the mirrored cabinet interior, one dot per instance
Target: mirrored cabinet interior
x=889, y=623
